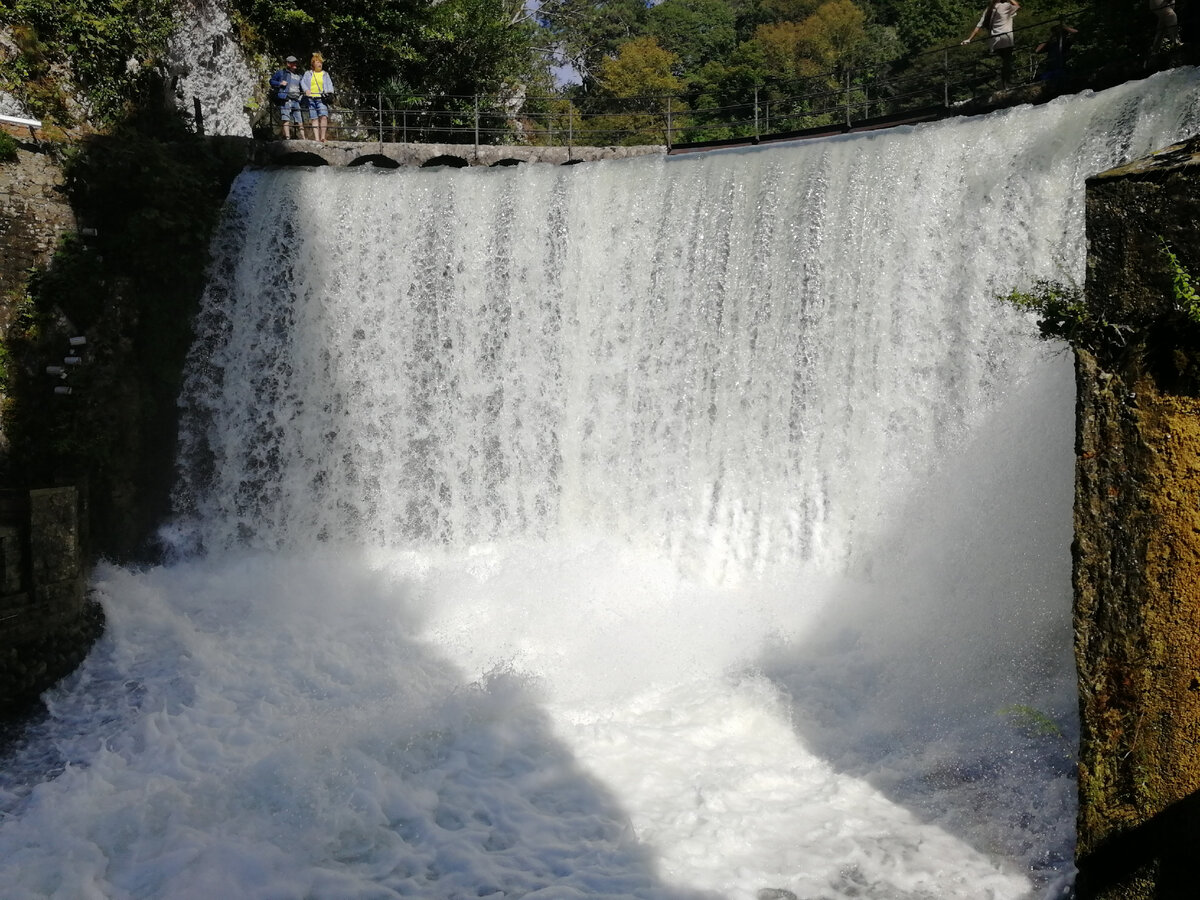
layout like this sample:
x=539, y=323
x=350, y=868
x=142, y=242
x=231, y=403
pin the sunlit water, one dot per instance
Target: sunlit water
x=661, y=528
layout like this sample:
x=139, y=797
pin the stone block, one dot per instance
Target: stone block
x=61, y=600
x=53, y=535
x=12, y=559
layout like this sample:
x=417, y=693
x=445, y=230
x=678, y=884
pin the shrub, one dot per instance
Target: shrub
x=8, y=147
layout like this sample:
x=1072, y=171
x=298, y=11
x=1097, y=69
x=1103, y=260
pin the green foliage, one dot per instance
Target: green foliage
x=1063, y=314
x=1031, y=721
x=642, y=68
x=696, y=31
x=8, y=147
x=456, y=47
x=110, y=46
x=1186, y=298
x=642, y=76
x=588, y=31
x=1164, y=336
x=924, y=24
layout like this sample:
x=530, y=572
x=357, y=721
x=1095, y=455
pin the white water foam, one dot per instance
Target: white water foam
x=684, y=528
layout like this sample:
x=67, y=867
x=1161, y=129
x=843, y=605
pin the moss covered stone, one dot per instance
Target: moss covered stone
x=1137, y=542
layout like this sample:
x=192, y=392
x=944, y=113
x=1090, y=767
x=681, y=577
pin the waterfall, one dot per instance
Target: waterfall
x=690, y=527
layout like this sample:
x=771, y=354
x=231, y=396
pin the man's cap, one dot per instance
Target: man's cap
x=291, y=59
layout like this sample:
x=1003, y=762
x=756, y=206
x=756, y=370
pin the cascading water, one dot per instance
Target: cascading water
x=694, y=527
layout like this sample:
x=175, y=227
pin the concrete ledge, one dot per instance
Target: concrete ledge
x=392, y=155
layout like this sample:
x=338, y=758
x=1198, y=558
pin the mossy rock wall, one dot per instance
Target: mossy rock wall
x=1137, y=546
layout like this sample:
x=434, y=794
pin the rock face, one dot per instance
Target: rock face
x=1137, y=541
x=46, y=625
x=33, y=213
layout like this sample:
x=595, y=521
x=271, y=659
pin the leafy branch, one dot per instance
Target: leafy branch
x=1063, y=314
x=1186, y=298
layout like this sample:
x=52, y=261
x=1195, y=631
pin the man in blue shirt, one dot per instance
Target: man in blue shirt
x=285, y=88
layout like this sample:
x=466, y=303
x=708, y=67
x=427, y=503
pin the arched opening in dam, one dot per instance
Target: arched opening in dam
x=689, y=527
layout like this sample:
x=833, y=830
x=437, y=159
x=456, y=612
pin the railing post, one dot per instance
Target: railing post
x=946, y=77
x=476, y=126
x=756, y=113
x=380, y=117
x=570, y=129
x=668, y=123
x=404, y=123
x=847, y=98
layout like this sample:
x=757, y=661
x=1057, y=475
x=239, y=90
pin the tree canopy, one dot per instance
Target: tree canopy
x=453, y=47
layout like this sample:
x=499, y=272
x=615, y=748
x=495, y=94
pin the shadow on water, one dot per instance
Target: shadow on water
x=231, y=714
x=942, y=675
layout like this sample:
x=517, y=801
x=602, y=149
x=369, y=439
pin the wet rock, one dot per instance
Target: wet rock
x=1137, y=540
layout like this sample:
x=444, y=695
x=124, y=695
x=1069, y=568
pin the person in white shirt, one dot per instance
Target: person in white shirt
x=998, y=19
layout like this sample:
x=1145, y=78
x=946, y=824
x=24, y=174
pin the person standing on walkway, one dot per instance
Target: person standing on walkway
x=1057, y=48
x=998, y=19
x=285, y=87
x=317, y=88
x=1166, y=31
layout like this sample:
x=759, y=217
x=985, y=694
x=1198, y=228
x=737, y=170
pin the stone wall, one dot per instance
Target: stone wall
x=1137, y=541
x=46, y=624
x=33, y=214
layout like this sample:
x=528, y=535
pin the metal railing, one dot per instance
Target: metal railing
x=936, y=80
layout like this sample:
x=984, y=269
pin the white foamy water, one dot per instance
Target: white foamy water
x=686, y=528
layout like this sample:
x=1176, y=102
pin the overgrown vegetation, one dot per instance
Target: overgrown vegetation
x=111, y=49
x=8, y=147
x=1166, y=337
x=1186, y=299
x=1064, y=314
x=455, y=48
x=803, y=60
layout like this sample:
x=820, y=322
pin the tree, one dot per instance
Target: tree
x=585, y=32
x=697, y=31
x=925, y=24
x=452, y=47
x=828, y=39
x=833, y=34
x=642, y=68
x=642, y=74
x=473, y=46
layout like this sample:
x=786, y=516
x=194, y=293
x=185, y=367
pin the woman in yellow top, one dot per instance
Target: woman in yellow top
x=316, y=87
